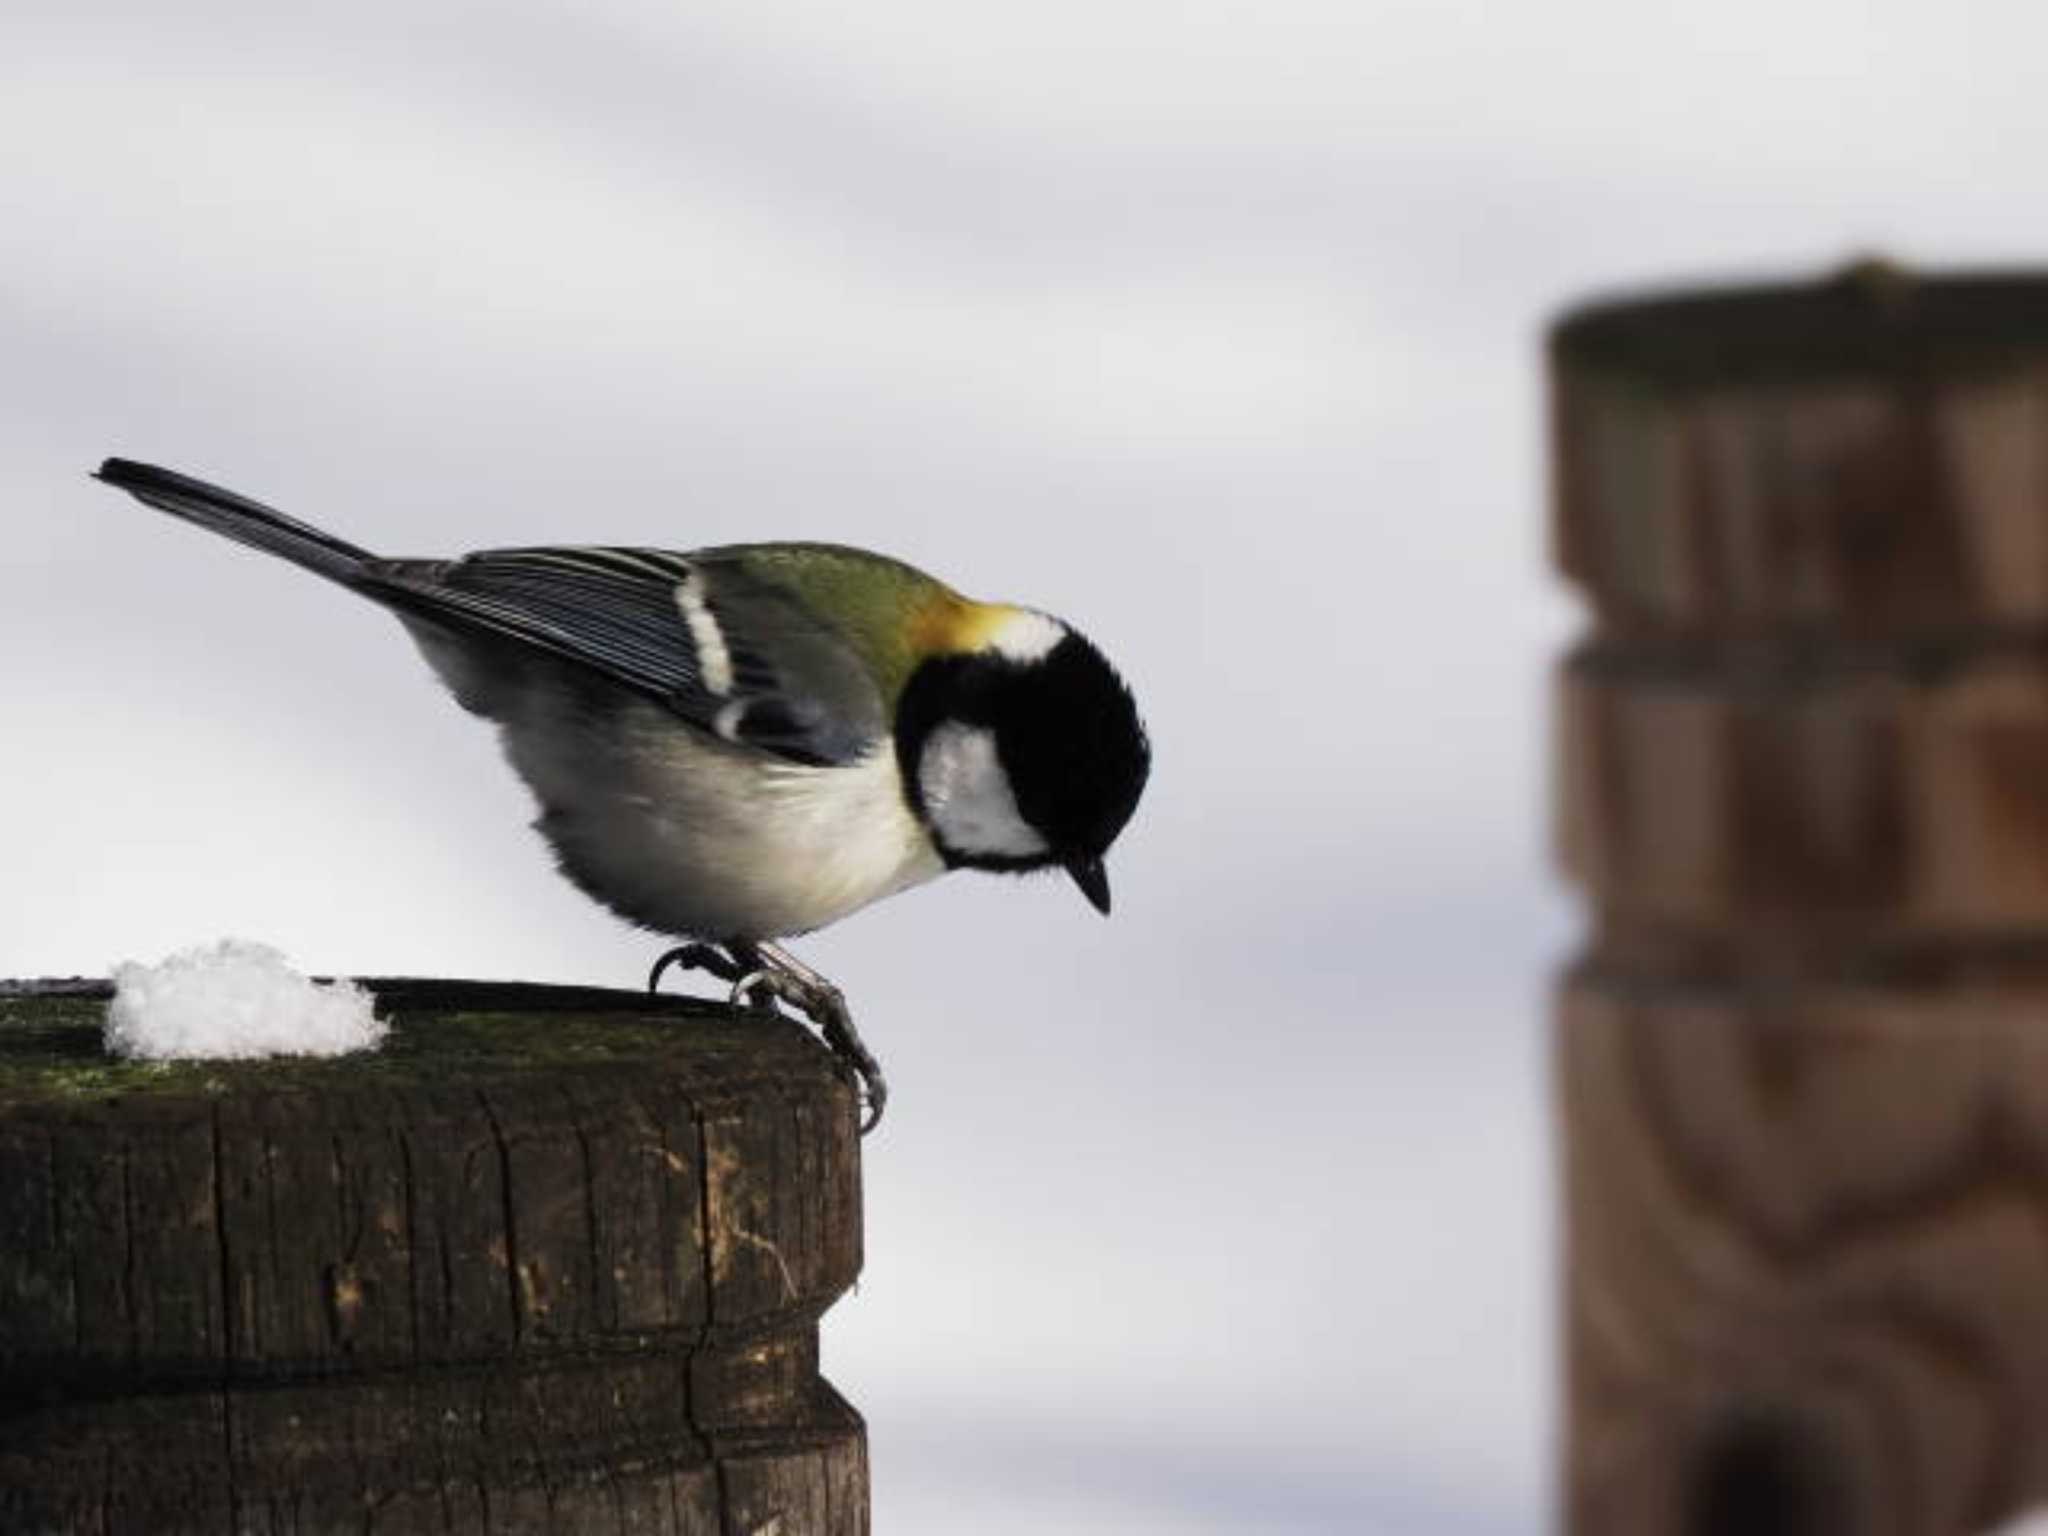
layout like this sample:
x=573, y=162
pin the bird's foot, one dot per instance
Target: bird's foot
x=715, y=958
x=779, y=976
x=761, y=975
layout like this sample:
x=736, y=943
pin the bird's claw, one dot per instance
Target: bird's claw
x=763, y=975
x=697, y=957
x=759, y=990
x=825, y=1006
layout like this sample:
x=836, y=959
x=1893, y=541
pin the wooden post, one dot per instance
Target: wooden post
x=553, y=1260
x=1803, y=1064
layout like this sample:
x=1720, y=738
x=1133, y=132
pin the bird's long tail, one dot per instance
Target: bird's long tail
x=238, y=518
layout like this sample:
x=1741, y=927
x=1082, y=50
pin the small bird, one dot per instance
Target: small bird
x=738, y=744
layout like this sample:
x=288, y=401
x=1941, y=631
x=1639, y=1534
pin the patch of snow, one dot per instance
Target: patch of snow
x=234, y=999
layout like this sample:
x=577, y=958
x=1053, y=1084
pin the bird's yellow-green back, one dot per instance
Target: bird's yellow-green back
x=892, y=613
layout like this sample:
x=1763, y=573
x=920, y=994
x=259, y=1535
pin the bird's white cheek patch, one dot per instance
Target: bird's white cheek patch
x=968, y=796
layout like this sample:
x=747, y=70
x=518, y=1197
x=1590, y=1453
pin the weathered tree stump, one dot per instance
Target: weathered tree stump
x=1803, y=1064
x=553, y=1260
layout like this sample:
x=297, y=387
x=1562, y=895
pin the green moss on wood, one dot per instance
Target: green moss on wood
x=442, y=1032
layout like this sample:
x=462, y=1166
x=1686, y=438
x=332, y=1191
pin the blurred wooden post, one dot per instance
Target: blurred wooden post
x=1803, y=1062
x=552, y=1261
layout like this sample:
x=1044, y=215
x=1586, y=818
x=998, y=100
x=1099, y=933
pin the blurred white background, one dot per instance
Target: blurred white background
x=1211, y=326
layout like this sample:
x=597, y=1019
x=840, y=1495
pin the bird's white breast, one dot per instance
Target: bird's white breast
x=686, y=834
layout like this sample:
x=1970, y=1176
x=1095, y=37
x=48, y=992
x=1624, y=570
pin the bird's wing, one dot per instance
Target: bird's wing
x=738, y=656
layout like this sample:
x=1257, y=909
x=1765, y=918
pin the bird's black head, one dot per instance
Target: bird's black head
x=1017, y=762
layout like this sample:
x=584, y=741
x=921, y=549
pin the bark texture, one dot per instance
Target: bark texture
x=553, y=1260
x=1802, y=1067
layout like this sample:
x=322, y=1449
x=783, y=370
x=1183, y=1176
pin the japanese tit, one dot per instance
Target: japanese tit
x=743, y=743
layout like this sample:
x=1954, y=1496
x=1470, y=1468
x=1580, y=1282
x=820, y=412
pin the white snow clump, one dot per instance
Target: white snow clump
x=234, y=999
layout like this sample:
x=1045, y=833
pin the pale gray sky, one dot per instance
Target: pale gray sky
x=1211, y=326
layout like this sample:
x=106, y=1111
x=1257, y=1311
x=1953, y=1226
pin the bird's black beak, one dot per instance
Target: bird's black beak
x=1093, y=880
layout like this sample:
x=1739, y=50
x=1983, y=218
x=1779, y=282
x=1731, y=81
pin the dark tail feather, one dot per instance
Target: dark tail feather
x=237, y=517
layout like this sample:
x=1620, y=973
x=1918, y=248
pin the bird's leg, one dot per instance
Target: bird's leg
x=776, y=973
x=728, y=966
x=762, y=974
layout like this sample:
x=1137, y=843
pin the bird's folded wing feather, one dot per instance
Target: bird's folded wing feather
x=732, y=654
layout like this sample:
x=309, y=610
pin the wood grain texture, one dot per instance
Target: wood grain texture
x=552, y=1261
x=1809, y=1224
x=1719, y=790
x=1895, y=475
x=1802, y=1067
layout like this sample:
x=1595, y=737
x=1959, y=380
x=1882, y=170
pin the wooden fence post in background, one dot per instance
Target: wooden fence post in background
x=551, y=1261
x=1803, y=1062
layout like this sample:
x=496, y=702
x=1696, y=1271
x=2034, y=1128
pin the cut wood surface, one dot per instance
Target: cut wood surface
x=1802, y=1065
x=1856, y=456
x=552, y=1260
